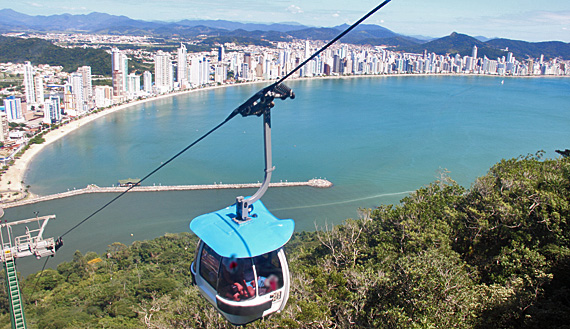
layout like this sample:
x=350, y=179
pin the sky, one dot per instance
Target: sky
x=527, y=20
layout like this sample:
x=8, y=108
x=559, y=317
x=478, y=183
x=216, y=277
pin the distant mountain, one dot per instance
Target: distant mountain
x=456, y=43
x=398, y=42
x=482, y=38
x=369, y=30
x=462, y=44
x=423, y=38
x=259, y=34
x=229, y=25
x=66, y=22
x=523, y=49
x=110, y=24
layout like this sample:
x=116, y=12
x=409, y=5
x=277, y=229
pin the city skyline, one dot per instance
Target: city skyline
x=523, y=20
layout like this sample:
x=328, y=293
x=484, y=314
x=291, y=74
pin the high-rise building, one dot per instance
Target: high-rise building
x=39, y=86
x=85, y=72
x=52, y=111
x=147, y=82
x=336, y=64
x=120, y=68
x=221, y=73
x=194, y=72
x=103, y=96
x=247, y=58
x=4, y=127
x=245, y=74
x=182, y=73
x=57, y=102
x=29, y=83
x=13, y=107
x=133, y=85
x=474, y=52
x=221, y=53
x=76, y=82
x=163, y=75
x=204, y=71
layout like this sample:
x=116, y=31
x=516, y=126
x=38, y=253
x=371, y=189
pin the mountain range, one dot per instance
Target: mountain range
x=219, y=31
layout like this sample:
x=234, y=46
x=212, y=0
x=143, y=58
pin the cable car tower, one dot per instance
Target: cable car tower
x=31, y=243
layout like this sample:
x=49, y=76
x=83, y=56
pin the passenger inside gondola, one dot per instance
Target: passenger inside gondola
x=235, y=279
x=268, y=267
x=266, y=285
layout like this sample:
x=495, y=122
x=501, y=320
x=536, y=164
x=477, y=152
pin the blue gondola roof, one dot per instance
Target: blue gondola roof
x=262, y=234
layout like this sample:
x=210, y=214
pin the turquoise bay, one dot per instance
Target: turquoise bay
x=375, y=138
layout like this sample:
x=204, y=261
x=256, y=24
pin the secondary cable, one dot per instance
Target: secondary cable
x=39, y=276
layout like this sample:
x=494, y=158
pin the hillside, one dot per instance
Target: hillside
x=494, y=256
x=462, y=44
x=38, y=51
x=456, y=43
x=523, y=49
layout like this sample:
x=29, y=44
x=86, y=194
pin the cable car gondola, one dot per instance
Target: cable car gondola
x=240, y=266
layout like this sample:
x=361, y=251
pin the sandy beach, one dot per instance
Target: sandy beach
x=12, y=180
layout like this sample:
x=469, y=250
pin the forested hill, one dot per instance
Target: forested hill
x=38, y=51
x=494, y=256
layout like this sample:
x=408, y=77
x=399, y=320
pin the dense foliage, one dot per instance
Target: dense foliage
x=494, y=256
x=38, y=51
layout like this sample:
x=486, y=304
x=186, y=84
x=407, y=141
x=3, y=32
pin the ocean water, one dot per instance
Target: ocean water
x=375, y=138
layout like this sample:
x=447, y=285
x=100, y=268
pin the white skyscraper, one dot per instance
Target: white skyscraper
x=163, y=75
x=133, y=85
x=182, y=76
x=194, y=72
x=76, y=82
x=13, y=108
x=120, y=70
x=85, y=72
x=29, y=83
x=474, y=53
x=221, y=73
x=147, y=82
x=204, y=71
x=103, y=96
x=39, y=86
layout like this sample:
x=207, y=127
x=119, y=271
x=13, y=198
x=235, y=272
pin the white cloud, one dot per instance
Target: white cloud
x=531, y=18
x=35, y=4
x=294, y=9
x=74, y=8
x=337, y=14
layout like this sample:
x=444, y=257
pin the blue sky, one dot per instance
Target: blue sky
x=514, y=19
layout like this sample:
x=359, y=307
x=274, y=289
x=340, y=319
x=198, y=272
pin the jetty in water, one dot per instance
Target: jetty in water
x=318, y=183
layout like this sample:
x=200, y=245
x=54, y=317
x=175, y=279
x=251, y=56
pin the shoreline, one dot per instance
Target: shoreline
x=13, y=179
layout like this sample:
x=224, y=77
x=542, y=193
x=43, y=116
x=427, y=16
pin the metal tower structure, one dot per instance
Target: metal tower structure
x=31, y=243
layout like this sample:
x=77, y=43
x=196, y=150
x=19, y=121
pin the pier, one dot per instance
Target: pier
x=317, y=183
